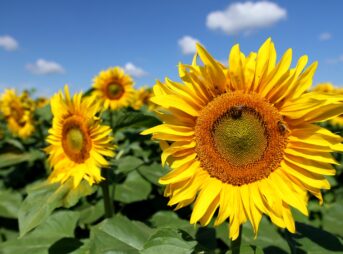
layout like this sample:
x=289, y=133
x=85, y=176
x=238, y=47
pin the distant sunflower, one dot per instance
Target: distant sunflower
x=78, y=142
x=142, y=97
x=18, y=112
x=329, y=88
x=41, y=102
x=114, y=88
x=241, y=139
x=324, y=88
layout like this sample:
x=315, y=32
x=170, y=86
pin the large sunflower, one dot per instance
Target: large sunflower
x=241, y=139
x=78, y=142
x=114, y=88
x=18, y=111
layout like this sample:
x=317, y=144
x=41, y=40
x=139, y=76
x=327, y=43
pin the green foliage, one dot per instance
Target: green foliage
x=47, y=237
x=10, y=203
x=11, y=159
x=45, y=198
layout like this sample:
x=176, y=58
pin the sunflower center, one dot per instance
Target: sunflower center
x=76, y=141
x=114, y=91
x=240, y=138
x=16, y=111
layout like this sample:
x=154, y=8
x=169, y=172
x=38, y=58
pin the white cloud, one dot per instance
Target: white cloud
x=134, y=71
x=43, y=67
x=325, y=36
x=187, y=44
x=245, y=17
x=8, y=43
x=336, y=60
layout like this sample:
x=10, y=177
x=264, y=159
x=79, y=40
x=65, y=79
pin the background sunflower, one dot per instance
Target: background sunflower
x=18, y=111
x=78, y=141
x=113, y=88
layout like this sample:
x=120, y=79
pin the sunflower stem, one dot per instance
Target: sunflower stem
x=111, y=117
x=108, y=203
x=236, y=244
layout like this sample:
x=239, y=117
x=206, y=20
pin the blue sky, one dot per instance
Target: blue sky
x=45, y=44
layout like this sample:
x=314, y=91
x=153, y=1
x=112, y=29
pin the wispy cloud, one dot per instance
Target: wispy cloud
x=44, y=67
x=245, y=17
x=134, y=71
x=187, y=44
x=8, y=43
x=336, y=60
x=325, y=36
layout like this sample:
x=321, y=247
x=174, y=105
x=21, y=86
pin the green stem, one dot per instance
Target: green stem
x=236, y=244
x=108, y=202
x=111, y=117
x=41, y=133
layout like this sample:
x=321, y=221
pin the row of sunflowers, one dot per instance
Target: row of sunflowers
x=249, y=151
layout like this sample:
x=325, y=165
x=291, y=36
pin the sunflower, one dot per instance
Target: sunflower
x=41, y=102
x=240, y=140
x=18, y=112
x=114, y=88
x=78, y=142
x=331, y=89
x=142, y=97
x=324, y=88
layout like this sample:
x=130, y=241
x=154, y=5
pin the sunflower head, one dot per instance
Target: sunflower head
x=329, y=88
x=142, y=97
x=114, y=88
x=41, y=102
x=241, y=140
x=324, y=88
x=18, y=112
x=78, y=141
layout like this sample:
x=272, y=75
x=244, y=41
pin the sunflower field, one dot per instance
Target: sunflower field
x=238, y=158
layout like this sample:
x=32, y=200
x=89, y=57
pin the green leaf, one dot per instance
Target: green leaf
x=332, y=218
x=313, y=240
x=252, y=250
x=153, y=172
x=267, y=239
x=127, y=164
x=15, y=143
x=119, y=235
x=92, y=213
x=74, y=194
x=167, y=240
x=170, y=219
x=59, y=226
x=10, y=159
x=125, y=119
x=43, y=199
x=133, y=189
x=7, y=234
x=44, y=113
x=10, y=203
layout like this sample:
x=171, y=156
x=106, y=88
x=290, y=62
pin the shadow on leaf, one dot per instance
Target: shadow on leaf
x=319, y=236
x=65, y=245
